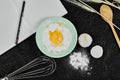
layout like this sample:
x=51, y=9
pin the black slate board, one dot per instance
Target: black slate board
x=105, y=68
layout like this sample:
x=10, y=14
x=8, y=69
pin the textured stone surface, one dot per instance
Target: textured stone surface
x=105, y=68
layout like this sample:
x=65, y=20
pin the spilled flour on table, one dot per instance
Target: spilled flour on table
x=80, y=61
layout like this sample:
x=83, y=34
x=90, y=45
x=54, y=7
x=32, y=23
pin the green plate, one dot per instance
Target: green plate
x=67, y=24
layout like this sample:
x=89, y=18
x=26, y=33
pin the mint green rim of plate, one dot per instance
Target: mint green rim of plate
x=67, y=24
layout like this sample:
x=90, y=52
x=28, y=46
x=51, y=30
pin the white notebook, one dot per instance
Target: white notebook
x=35, y=11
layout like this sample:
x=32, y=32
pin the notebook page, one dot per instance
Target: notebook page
x=35, y=11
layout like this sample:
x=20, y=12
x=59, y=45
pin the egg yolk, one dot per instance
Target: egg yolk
x=56, y=37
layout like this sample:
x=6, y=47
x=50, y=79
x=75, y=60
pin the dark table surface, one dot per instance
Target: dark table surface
x=105, y=68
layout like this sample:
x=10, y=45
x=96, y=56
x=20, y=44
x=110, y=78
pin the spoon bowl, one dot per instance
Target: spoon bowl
x=107, y=12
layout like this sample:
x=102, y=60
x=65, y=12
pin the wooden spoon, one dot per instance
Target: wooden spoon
x=107, y=15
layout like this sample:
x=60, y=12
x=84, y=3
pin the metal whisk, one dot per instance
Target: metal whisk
x=39, y=67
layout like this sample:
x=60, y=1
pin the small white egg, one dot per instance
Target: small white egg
x=96, y=51
x=85, y=40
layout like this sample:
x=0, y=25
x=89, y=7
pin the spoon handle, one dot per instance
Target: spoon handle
x=115, y=34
